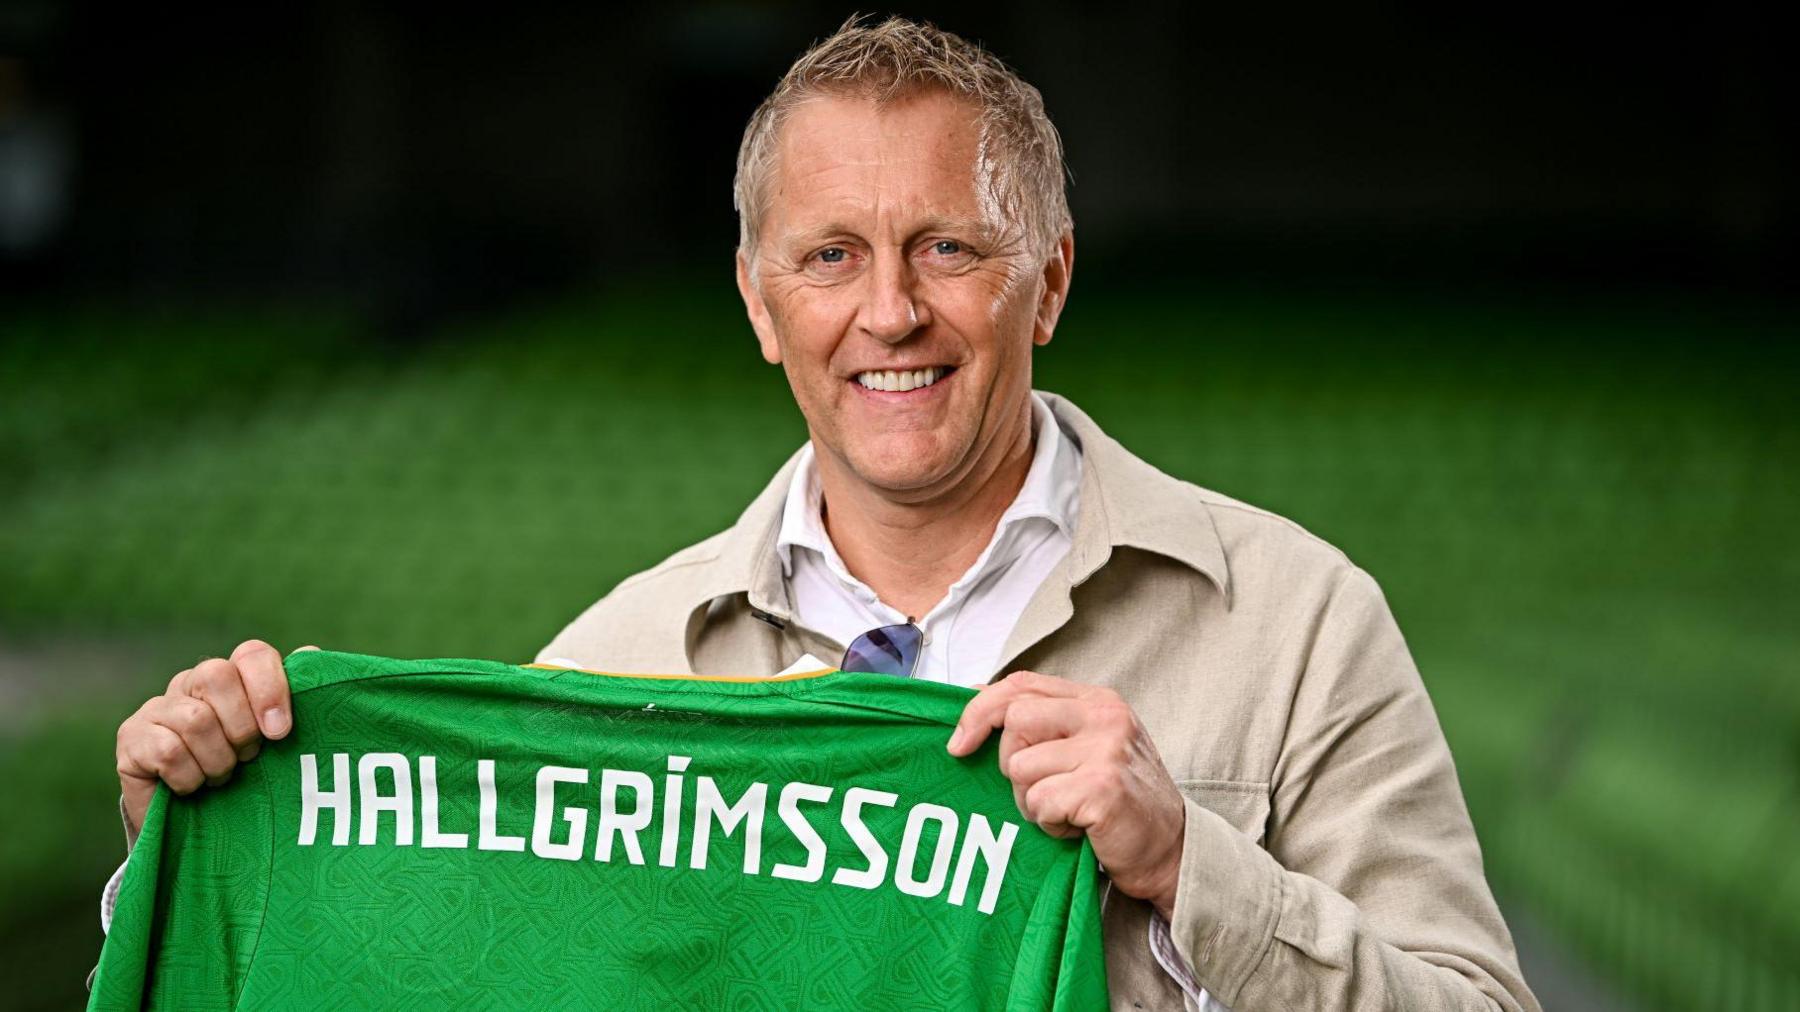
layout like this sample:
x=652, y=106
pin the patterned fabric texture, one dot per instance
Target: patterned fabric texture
x=472, y=834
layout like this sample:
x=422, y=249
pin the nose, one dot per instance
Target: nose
x=891, y=307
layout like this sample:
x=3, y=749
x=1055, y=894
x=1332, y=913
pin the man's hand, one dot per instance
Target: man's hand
x=1080, y=761
x=214, y=716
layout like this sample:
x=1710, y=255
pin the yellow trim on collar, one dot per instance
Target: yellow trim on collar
x=690, y=678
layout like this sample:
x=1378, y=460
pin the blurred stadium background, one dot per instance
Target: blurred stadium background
x=408, y=334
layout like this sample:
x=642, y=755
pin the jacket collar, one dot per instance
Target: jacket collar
x=1124, y=502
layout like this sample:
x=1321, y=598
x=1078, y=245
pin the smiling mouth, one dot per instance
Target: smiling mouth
x=902, y=380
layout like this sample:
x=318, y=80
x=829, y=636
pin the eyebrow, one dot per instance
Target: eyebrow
x=933, y=223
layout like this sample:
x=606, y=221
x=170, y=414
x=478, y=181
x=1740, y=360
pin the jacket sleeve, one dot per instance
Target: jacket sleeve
x=1371, y=893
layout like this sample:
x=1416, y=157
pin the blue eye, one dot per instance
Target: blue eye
x=955, y=247
x=829, y=258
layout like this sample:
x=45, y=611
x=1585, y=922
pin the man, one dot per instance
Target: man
x=1219, y=700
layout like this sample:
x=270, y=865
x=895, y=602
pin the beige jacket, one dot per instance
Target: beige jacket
x=1328, y=862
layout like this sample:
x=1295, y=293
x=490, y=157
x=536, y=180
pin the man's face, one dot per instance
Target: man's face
x=879, y=260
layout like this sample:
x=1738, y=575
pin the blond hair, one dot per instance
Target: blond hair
x=1020, y=159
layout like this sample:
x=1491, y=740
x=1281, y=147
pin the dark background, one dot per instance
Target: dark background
x=418, y=161
x=411, y=332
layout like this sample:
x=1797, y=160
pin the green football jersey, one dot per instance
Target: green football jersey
x=472, y=834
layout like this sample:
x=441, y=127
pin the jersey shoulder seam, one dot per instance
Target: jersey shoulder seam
x=262, y=922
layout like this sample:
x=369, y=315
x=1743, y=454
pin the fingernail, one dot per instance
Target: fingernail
x=275, y=722
x=955, y=740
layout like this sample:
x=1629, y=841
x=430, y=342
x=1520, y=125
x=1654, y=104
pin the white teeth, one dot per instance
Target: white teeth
x=901, y=381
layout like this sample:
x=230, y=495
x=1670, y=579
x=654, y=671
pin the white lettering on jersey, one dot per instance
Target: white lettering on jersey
x=791, y=796
x=491, y=839
x=971, y=843
x=872, y=876
x=428, y=809
x=672, y=810
x=374, y=802
x=312, y=799
x=980, y=843
x=709, y=804
x=627, y=826
x=570, y=849
x=933, y=882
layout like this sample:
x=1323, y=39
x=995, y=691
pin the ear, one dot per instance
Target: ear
x=760, y=320
x=1059, y=270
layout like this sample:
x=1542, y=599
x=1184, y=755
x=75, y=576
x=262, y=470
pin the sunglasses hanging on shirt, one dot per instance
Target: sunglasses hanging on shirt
x=887, y=650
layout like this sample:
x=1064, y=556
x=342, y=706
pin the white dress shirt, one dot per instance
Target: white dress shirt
x=966, y=631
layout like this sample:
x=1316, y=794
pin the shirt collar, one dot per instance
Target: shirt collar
x=1123, y=501
x=1051, y=491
